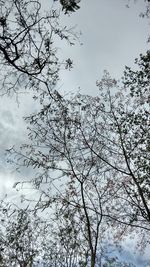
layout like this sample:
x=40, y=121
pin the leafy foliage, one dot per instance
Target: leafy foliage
x=19, y=238
x=69, y=5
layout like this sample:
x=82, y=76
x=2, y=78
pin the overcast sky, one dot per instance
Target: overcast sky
x=112, y=36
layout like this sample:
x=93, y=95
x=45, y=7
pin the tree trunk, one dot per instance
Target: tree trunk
x=93, y=260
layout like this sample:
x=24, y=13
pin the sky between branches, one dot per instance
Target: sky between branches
x=112, y=37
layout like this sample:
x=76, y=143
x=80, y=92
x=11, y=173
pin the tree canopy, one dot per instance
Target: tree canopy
x=89, y=154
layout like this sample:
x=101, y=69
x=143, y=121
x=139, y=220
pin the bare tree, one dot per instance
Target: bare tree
x=98, y=146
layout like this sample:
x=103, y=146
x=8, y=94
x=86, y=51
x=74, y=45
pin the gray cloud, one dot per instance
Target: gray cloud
x=112, y=36
x=13, y=132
